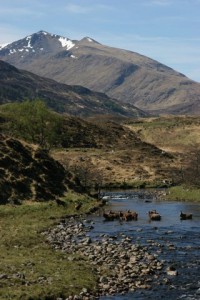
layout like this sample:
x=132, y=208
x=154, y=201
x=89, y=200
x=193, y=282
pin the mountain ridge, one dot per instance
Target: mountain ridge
x=20, y=85
x=122, y=74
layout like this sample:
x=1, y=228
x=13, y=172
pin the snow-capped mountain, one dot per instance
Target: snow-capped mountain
x=121, y=74
x=41, y=42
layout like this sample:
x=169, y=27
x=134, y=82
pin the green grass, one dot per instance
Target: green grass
x=30, y=268
x=155, y=123
x=183, y=193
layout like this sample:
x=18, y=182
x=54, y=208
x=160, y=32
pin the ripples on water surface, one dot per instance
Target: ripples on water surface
x=179, y=240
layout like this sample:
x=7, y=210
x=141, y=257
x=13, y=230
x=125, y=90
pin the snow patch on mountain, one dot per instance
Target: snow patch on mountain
x=3, y=46
x=28, y=38
x=66, y=43
x=12, y=51
x=89, y=39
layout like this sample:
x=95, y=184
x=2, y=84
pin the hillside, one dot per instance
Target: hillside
x=121, y=74
x=176, y=134
x=80, y=133
x=142, y=152
x=28, y=173
x=112, y=155
x=19, y=85
x=102, y=152
x=151, y=150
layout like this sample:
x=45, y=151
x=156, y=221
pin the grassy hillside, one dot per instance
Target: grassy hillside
x=163, y=150
x=113, y=152
x=180, y=136
x=118, y=155
x=124, y=153
x=175, y=134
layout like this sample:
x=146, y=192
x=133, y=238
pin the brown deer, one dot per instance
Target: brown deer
x=154, y=215
x=184, y=216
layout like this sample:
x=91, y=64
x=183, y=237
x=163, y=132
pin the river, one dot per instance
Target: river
x=176, y=242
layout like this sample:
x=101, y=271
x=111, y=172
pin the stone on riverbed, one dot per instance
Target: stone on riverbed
x=172, y=271
x=121, y=265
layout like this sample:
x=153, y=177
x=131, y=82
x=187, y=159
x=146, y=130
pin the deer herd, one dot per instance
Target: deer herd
x=132, y=215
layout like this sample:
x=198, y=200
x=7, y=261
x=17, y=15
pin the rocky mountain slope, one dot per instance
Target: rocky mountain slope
x=18, y=85
x=121, y=74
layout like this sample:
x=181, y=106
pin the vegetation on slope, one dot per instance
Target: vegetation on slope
x=33, y=122
x=171, y=133
x=101, y=153
x=180, y=136
x=28, y=173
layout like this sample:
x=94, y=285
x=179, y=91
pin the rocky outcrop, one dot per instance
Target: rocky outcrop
x=27, y=173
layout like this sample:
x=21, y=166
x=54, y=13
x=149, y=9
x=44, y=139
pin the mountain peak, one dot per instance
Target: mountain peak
x=3, y=46
x=64, y=42
x=88, y=39
x=41, y=42
x=43, y=32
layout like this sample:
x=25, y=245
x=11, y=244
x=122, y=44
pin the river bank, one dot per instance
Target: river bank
x=119, y=264
x=173, y=193
x=182, y=193
x=138, y=257
x=30, y=268
x=53, y=251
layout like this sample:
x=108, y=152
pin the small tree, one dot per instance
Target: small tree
x=89, y=176
x=34, y=122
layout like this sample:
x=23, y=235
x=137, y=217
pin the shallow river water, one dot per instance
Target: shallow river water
x=177, y=242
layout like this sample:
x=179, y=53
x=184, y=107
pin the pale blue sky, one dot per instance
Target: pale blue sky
x=165, y=30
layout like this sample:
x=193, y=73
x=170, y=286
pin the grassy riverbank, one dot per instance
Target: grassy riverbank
x=183, y=193
x=29, y=268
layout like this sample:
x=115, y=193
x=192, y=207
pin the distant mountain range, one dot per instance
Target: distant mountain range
x=121, y=74
x=19, y=85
